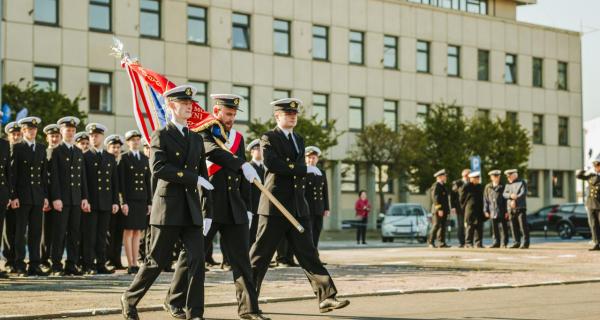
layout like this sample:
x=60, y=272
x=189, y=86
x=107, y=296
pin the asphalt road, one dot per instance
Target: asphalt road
x=571, y=302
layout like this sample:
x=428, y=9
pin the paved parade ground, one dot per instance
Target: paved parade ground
x=401, y=272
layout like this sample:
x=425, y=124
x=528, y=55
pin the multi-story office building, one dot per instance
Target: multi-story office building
x=357, y=61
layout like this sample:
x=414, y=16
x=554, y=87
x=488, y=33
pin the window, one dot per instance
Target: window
x=320, y=43
x=241, y=31
x=201, y=95
x=483, y=113
x=99, y=15
x=483, y=65
x=532, y=184
x=390, y=52
x=538, y=67
x=320, y=107
x=390, y=114
x=422, y=112
x=349, y=177
x=476, y=6
x=455, y=111
x=510, y=69
x=388, y=187
x=150, y=18
x=279, y=94
x=356, y=47
x=422, y=56
x=356, y=114
x=471, y=6
x=100, y=91
x=558, y=184
x=563, y=131
x=454, y=61
x=538, y=129
x=46, y=78
x=196, y=25
x=243, y=114
x=281, y=37
x=46, y=12
x=512, y=116
x=562, y=76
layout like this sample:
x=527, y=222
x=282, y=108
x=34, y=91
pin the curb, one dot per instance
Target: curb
x=108, y=311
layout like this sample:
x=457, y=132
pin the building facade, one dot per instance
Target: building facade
x=357, y=61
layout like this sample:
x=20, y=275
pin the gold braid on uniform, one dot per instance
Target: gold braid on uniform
x=209, y=124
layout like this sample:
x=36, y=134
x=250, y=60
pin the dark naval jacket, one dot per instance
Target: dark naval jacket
x=29, y=174
x=592, y=201
x=103, y=180
x=134, y=178
x=317, y=194
x=69, y=179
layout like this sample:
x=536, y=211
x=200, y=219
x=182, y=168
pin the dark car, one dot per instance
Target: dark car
x=567, y=220
x=538, y=220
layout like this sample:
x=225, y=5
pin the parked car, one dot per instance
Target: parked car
x=405, y=220
x=567, y=220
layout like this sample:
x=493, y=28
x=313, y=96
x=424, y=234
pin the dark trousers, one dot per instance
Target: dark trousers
x=253, y=228
x=519, y=226
x=94, y=228
x=115, y=239
x=234, y=242
x=8, y=241
x=28, y=233
x=271, y=229
x=497, y=224
x=460, y=228
x=285, y=253
x=144, y=242
x=47, y=226
x=163, y=240
x=438, y=229
x=474, y=233
x=66, y=233
x=361, y=230
x=3, y=202
x=594, y=221
x=316, y=224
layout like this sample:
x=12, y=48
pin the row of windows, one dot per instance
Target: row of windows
x=351, y=171
x=472, y=6
x=558, y=183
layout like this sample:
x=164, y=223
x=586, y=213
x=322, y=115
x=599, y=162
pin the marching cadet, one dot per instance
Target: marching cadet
x=592, y=203
x=471, y=199
x=494, y=207
x=440, y=208
x=231, y=176
x=69, y=194
x=136, y=196
x=316, y=194
x=14, y=136
x=145, y=237
x=114, y=243
x=102, y=174
x=178, y=171
x=5, y=185
x=82, y=140
x=29, y=196
x=515, y=193
x=53, y=138
x=457, y=208
x=256, y=153
x=286, y=179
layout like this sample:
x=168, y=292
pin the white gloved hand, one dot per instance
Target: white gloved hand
x=249, y=218
x=249, y=172
x=206, y=226
x=205, y=184
x=313, y=169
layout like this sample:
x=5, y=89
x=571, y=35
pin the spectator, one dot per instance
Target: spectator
x=362, y=207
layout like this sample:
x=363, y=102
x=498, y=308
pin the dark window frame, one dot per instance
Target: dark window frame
x=247, y=98
x=420, y=117
x=110, y=83
x=533, y=186
x=427, y=52
x=158, y=12
x=537, y=134
x=194, y=83
x=390, y=47
x=395, y=112
x=326, y=38
x=247, y=31
x=202, y=19
x=362, y=113
x=325, y=105
x=56, y=80
x=565, y=72
x=287, y=32
x=558, y=184
x=512, y=116
x=453, y=56
x=354, y=181
x=539, y=69
x=360, y=42
x=483, y=75
x=563, y=131
x=512, y=67
x=48, y=24
x=102, y=4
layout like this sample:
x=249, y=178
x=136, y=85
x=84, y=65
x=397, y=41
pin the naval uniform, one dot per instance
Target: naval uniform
x=48, y=218
x=286, y=180
x=30, y=187
x=135, y=188
x=5, y=181
x=495, y=204
x=471, y=199
x=318, y=202
x=518, y=213
x=460, y=214
x=439, y=199
x=255, y=192
x=592, y=203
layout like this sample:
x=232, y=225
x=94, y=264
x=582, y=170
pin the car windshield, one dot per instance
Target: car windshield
x=405, y=211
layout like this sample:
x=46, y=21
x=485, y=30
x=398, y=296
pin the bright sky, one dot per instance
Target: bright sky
x=578, y=15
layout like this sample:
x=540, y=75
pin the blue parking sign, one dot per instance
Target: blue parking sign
x=475, y=163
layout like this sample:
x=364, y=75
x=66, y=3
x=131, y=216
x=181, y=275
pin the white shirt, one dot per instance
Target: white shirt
x=98, y=150
x=258, y=163
x=287, y=133
x=68, y=144
x=136, y=154
x=30, y=143
x=179, y=126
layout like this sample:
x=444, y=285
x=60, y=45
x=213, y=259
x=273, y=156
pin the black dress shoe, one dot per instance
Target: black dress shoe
x=3, y=275
x=168, y=269
x=73, y=271
x=212, y=263
x=90, y=271
x=175, y=312
x=128, y=312
x=524, y=246
x=21, y=272
x=104, y=270
x=594, y=248
x=444, y=246
x=332, y=304
x=36, y=271
x=10, y=269
x=254, y=316
x=515, y=246
x=495, y=246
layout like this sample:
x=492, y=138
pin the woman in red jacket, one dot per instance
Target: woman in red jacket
x=362, y=208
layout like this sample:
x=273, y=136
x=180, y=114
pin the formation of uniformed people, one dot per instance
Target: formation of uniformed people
x=592, y=201
x=473, y=205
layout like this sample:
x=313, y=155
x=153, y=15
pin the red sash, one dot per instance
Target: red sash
x=233, y=145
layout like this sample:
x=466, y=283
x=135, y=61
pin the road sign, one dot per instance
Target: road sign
x=475, y=163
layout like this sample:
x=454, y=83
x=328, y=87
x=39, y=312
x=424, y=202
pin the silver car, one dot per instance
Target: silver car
x=405, y=220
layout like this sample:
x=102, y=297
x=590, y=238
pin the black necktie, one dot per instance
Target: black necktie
x=291, y=141
x=137, y=156
x=32, y=146
x=185, y=132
